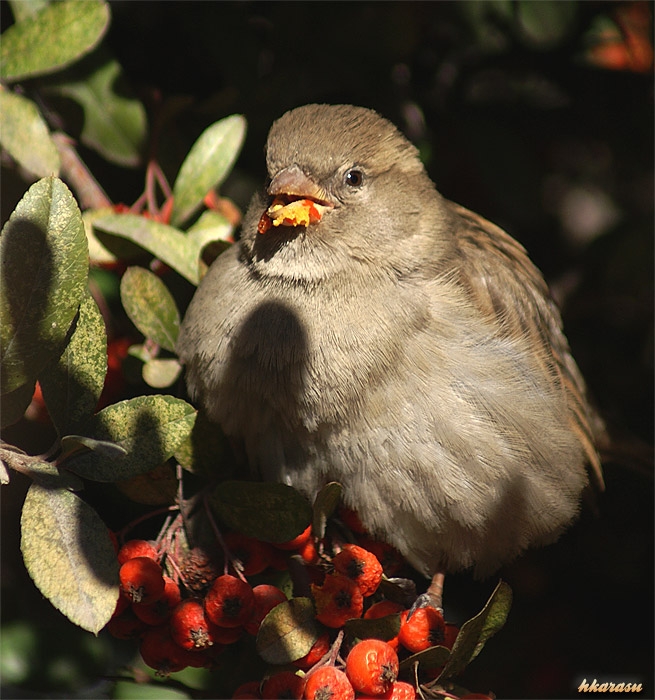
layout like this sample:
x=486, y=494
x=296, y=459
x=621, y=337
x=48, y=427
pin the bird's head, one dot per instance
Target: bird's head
x=344, y=185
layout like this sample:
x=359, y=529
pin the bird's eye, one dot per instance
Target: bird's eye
x=354, y=178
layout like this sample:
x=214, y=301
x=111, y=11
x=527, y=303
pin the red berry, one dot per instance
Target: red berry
x=229, y=602
x=247, y=691
x=384, y=608
x=285, y=684
x=319, y=649
x=225, y=635
x=391, y=560
x=137, y=548
x=372, y=666
x=308, y=552
x=296, y=542
x=425, y=628
x=141, y=580
x=337, y=600
x=158, y=612
x=126, y=625
x=398, y=691
x=266, y=598
x=328, y=683
x=361, y=566
x=351, y=519
x=189, y=626
x=253, y=554
x=159, y=651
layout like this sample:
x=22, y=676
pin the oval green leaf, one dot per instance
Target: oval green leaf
x=207, y=164
x=53, y=38
x=25, y=135
x=168, y=244
x=150, y=306
x=69, y=555
x=475, y=632
x=115, y=124
x=325, y=503
x=148, y=428
x=72, y=385
x=43, y=276
x=288, y=632
x=161, y=373
x=383, y=628
x=14, y=403
x=269, y=512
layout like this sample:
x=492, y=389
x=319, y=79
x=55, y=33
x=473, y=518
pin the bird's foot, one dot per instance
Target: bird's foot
x=432, y=598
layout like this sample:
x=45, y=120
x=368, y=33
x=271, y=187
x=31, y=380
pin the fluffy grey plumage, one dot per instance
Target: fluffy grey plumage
x=402, y=345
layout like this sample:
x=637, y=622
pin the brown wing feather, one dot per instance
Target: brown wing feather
x=516, y=293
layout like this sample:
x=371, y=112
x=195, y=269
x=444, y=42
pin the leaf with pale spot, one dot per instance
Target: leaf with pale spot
x=150, y=306
x=148, y=428
x=53, y=38
x=43, y=277
x=72, y=385
x=269, y=512
x=69, y=555
x=288, y=632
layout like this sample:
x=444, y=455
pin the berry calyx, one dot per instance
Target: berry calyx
x=328, y=683
x=141, y=580
x=372, y=666
x=229, y=602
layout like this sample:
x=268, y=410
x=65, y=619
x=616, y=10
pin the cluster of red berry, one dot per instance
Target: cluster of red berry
x=177, y=630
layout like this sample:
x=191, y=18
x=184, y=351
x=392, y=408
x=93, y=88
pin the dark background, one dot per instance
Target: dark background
x=516, y=121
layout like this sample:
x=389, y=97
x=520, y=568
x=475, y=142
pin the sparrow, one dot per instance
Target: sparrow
x=366, y=330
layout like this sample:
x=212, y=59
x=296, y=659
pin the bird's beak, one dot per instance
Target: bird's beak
x=298, y=200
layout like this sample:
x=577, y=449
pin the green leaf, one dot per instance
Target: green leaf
x=325, y=503
x=383, y=628
x=69, y=555
x=14, y=403
x=288, y=632
x=22, y=9
x=150, y=306
x=25, y=135
x=43, y=276
x=72, y=385
x=53, y=38
x=429, y=659
x=148, y=428
x=161, y=373
x=204, y=451
x=476, y=631
x=207, y=164
x=547, y=23
x=115, y=125
x=168, y=244
x=269, y=512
